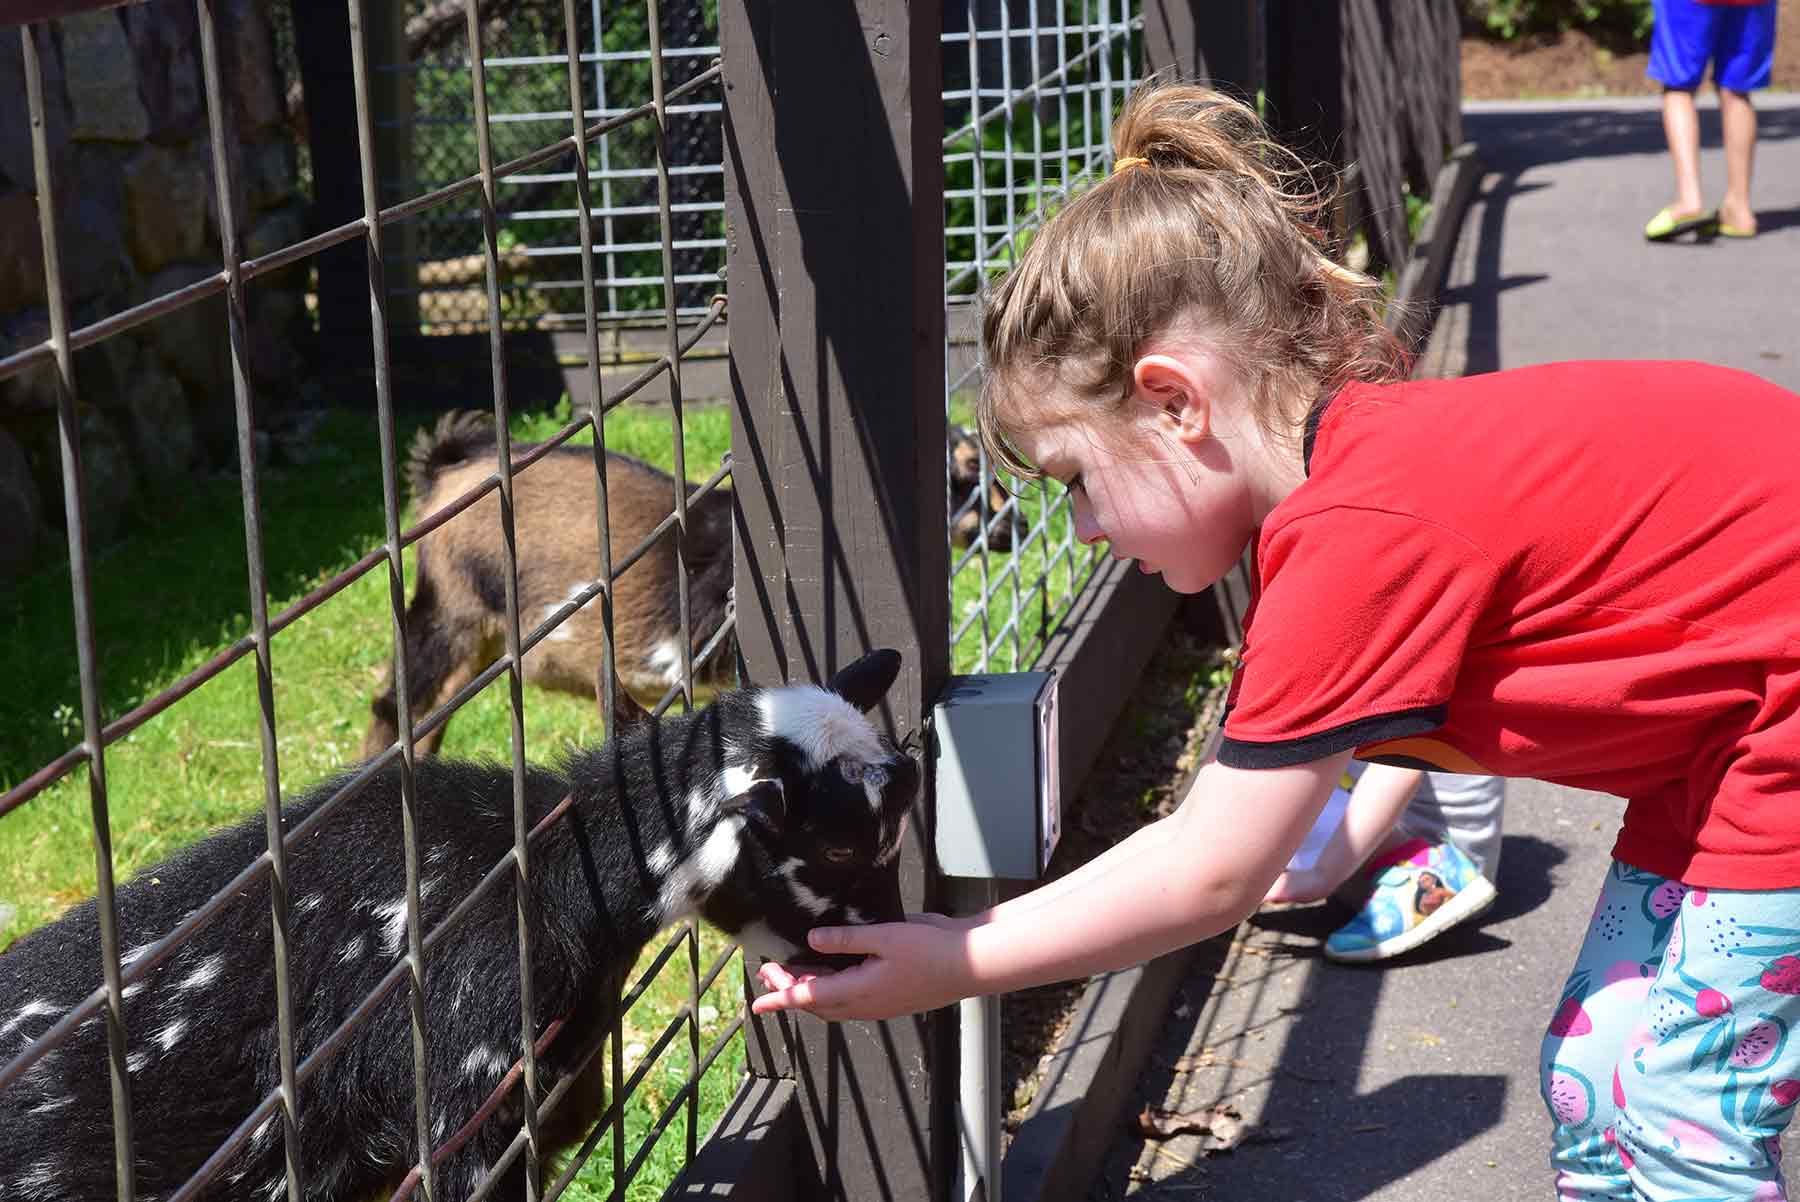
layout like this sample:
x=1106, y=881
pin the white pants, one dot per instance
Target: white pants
x=1462, y=809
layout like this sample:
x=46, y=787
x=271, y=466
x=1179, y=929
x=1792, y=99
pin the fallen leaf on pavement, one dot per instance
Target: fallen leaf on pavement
x=1220, y=1128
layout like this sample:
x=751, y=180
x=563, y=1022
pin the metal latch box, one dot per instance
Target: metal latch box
x=999, y=802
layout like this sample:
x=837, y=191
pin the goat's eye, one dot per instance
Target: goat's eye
x=839, y=855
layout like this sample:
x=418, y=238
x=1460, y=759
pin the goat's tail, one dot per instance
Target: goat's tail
x=459, y=434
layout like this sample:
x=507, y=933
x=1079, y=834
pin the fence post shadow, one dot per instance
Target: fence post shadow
x=833, y=130
x=1315, y=1112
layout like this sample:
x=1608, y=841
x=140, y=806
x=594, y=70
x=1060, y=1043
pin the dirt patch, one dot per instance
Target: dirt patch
x=1140, y=776
x=1540, y=66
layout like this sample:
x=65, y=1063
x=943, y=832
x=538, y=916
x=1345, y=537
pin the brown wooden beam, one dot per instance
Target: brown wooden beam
x=833, y=125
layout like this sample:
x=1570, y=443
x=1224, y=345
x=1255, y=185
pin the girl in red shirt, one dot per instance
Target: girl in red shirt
x=1587, y=573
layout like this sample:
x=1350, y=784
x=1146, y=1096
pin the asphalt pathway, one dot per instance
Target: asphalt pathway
x=1417, y=1082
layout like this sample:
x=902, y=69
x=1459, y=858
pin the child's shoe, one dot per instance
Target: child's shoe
x=1419, y=889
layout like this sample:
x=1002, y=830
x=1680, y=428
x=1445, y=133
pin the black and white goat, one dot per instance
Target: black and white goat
x=766, y=813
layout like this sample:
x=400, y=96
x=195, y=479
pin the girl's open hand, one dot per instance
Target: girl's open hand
x=912, y=966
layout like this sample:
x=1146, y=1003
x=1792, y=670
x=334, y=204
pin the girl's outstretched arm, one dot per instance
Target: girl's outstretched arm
x=1191, y=875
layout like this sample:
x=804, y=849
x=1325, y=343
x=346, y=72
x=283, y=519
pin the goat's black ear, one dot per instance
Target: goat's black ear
x=764, y=803
x=865, y=682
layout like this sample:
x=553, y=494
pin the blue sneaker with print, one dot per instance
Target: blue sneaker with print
x=1417, y=890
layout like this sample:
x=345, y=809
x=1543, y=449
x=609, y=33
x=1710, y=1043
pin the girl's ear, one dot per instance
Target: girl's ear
x=1180, y=394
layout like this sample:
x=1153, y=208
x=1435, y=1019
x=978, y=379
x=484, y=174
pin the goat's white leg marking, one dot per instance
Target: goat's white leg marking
x=309, y=903
x=562, y=634
x=702, y=810
x=137, y=1062
x=354, y=950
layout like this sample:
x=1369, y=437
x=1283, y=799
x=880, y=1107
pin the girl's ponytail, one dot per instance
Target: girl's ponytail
x=1204, y=217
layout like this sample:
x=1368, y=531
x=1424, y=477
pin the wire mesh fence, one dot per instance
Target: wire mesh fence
x=1030, y=89
x=524, y=165
x=540, y=226
x=559, y=165
x=1030, y=93
x=44, y=1029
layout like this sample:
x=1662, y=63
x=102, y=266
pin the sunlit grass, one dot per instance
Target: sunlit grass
x=173, y=595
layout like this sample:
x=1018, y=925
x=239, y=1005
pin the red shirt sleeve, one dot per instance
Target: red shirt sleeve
x=1359, y=629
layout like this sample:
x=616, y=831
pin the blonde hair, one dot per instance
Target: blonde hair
x=1213, y=220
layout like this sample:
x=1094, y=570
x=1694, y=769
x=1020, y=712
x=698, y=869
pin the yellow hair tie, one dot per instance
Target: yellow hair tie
x=1129, y=161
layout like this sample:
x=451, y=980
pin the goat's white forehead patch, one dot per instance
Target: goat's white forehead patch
x=820, y=723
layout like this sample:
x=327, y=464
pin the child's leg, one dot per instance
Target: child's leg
x=1738, y=116
x=1708, y=1091
x=1598, y=1022
x=1681, y=126
x=1466, y=810
x=1667, y=1067
x=1746, y=60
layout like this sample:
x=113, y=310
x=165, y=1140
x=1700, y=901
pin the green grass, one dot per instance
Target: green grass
x=1050, y=572
x=173, y=594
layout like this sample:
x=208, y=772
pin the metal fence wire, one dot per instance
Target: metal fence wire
x=1030, y=90
x=529, y=164
x=564, y=155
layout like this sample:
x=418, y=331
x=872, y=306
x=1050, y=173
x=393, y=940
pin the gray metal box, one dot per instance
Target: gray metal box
x=999, y=808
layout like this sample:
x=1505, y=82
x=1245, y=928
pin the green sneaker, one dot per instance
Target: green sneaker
x=1419, y=890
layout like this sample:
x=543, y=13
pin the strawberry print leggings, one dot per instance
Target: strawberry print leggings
x=1668, y=1067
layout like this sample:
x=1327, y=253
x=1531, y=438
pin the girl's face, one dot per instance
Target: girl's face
x=1152, y=498
x=1171, y=480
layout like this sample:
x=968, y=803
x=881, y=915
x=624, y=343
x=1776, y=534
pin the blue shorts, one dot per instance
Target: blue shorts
x=1738, y=39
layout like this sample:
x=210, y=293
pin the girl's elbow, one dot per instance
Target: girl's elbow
x=1217, y=904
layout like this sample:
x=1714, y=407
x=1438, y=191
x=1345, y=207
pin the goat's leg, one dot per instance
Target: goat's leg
x=439, y=653
x=627, y=711
x=460, y=675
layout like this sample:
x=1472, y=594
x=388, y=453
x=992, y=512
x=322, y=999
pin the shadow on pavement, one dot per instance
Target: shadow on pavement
x=1330, y=1127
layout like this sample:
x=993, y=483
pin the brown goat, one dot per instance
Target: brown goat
x=1005, y=526
x=455, y=623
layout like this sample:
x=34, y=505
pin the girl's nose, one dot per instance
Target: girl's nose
x=1086, y=529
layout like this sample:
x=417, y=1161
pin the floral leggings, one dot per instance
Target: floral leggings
x=1668, y=1067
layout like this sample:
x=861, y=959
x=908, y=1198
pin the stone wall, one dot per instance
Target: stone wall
x=138, y=217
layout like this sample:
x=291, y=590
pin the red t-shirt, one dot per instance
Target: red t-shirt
x=1587, y=573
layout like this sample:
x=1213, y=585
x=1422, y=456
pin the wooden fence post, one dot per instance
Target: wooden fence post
x=1306, y=77
x=833, y=125
x=1215, y=42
